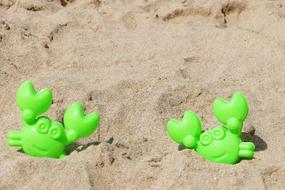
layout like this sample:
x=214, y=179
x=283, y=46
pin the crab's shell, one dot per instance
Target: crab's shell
x=220, y=150
x=43, y=144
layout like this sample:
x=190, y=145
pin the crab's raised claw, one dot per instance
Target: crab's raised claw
x=232, y=113
x=186, y=131
x=78, y=124
x=31, y=102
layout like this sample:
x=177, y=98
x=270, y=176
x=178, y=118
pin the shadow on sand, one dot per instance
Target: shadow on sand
x=80, y=147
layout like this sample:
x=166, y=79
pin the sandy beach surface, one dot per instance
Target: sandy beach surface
x=139, y=63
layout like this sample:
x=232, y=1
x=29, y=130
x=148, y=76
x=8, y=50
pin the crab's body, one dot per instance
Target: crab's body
x=45, y=138
x=42, y=137
x=221, y=144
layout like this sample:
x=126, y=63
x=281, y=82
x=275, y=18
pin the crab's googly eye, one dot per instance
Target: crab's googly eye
x=205, y=138
x=219, y=133
x=43, y=125
x=55, y=132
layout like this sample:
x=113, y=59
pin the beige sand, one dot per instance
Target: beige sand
x=139, y=63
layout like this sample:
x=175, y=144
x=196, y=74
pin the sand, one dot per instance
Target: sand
x=139, y=63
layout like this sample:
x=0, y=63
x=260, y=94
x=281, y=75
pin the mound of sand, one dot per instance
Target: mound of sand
x=139, y=63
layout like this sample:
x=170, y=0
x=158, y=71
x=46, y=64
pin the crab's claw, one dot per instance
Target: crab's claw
x=31, y=102
x=232, y=113
x=77, y=124
x=187, y=131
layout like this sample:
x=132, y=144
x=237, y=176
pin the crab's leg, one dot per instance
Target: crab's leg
x=246, y=150
x=246, y=146
x=246, y=154
x=15, y=138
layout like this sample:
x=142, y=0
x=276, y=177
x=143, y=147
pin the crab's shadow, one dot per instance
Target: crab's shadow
x=260, y=144
x=80, y=147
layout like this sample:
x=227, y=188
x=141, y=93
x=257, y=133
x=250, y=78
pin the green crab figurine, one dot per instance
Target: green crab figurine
x=42, y=137
x=221, y=144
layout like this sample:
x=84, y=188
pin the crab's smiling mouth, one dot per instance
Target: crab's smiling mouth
x=218, y=156
x=39, y=149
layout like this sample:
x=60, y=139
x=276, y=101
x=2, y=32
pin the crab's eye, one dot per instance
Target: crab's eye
x=219, y=133
x=43, y=125
x=56, y=130
x=205, y=138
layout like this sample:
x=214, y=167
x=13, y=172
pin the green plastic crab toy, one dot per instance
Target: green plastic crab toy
x=221, y=144
x=42, y=137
